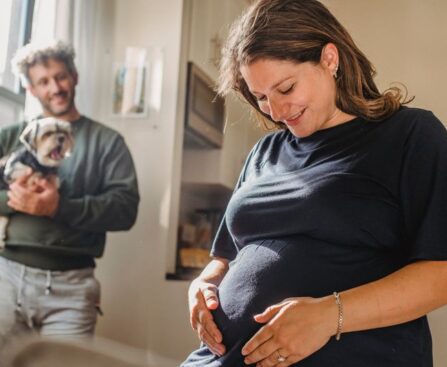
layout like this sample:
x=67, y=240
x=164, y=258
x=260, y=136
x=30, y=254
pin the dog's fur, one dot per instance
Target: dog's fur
x=45, y=143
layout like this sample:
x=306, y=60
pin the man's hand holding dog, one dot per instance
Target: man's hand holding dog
x=40, y=199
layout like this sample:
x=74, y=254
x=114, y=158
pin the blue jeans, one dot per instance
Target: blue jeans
x=50, y=303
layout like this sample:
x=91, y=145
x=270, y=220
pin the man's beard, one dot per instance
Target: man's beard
x=47, y=107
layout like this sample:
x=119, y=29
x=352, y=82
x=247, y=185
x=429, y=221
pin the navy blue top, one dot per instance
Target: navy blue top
x=343, y=207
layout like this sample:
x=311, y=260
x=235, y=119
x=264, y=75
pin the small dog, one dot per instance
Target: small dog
x=46, y=143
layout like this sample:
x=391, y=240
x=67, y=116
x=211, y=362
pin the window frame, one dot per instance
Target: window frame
x=17, y=96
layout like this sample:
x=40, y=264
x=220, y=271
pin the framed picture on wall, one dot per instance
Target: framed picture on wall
x=137, y=84
x=129, y=92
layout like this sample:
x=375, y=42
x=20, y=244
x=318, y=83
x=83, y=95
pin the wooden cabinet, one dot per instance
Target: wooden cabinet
x=208, y=175
x=209, y=24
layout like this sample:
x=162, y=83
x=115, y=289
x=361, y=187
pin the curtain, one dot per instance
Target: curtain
x=85, y=39
x=80, y=23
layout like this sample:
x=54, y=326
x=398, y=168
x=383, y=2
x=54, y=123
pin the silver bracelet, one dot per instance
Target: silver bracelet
x=340, y=315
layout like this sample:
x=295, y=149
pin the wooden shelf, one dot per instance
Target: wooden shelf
x=209, y=191
x=184, y=274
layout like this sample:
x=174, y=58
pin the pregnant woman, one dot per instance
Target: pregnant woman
x=333, y=247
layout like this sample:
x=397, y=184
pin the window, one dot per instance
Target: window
x=22, y=21
x=15, y=31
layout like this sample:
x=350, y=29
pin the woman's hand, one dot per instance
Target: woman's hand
x=298, y=327
x=203, y=298
x=295, y=329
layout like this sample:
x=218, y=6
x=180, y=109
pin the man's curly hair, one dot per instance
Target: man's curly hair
x=34, y=53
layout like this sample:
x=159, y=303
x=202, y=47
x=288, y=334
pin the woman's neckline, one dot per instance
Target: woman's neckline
x=328, y=135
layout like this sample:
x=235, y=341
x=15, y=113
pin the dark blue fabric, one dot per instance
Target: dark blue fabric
x=346, y=206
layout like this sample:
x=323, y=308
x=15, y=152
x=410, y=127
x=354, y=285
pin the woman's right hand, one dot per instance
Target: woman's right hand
x=203, y=298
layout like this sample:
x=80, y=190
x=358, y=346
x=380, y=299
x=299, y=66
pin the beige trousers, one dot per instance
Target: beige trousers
x=50, y=303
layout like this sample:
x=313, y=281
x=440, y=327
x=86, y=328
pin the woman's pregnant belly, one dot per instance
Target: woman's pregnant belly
x=262, y=274
x=270, y=271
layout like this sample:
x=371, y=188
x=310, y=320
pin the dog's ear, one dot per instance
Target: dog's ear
x=29, y=135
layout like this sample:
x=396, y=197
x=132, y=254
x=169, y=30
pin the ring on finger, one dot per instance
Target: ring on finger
x=280, y=358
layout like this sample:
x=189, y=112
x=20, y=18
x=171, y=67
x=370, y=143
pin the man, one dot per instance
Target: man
x=47, y=282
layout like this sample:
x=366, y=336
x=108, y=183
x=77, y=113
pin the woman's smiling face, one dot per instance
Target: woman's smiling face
x=300, y=95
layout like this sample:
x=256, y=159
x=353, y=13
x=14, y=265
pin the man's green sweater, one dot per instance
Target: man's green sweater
x=98, y=193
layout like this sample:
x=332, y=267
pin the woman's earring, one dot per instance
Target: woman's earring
x=335, y=72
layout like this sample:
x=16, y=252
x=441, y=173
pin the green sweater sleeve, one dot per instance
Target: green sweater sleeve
x=4, y=208
x=9, y=141
x=113, y=207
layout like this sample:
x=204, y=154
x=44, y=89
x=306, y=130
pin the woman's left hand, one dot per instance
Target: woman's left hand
x=295, y=329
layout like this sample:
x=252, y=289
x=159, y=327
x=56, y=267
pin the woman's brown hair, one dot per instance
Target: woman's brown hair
x=298, y=30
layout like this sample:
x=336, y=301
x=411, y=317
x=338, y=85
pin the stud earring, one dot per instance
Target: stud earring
x=335, y=72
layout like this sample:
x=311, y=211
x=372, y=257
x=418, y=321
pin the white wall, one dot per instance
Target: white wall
x=405, y=39
x=142, y=308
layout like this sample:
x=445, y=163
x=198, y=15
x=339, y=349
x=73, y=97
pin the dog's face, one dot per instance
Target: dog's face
x=50, y=140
